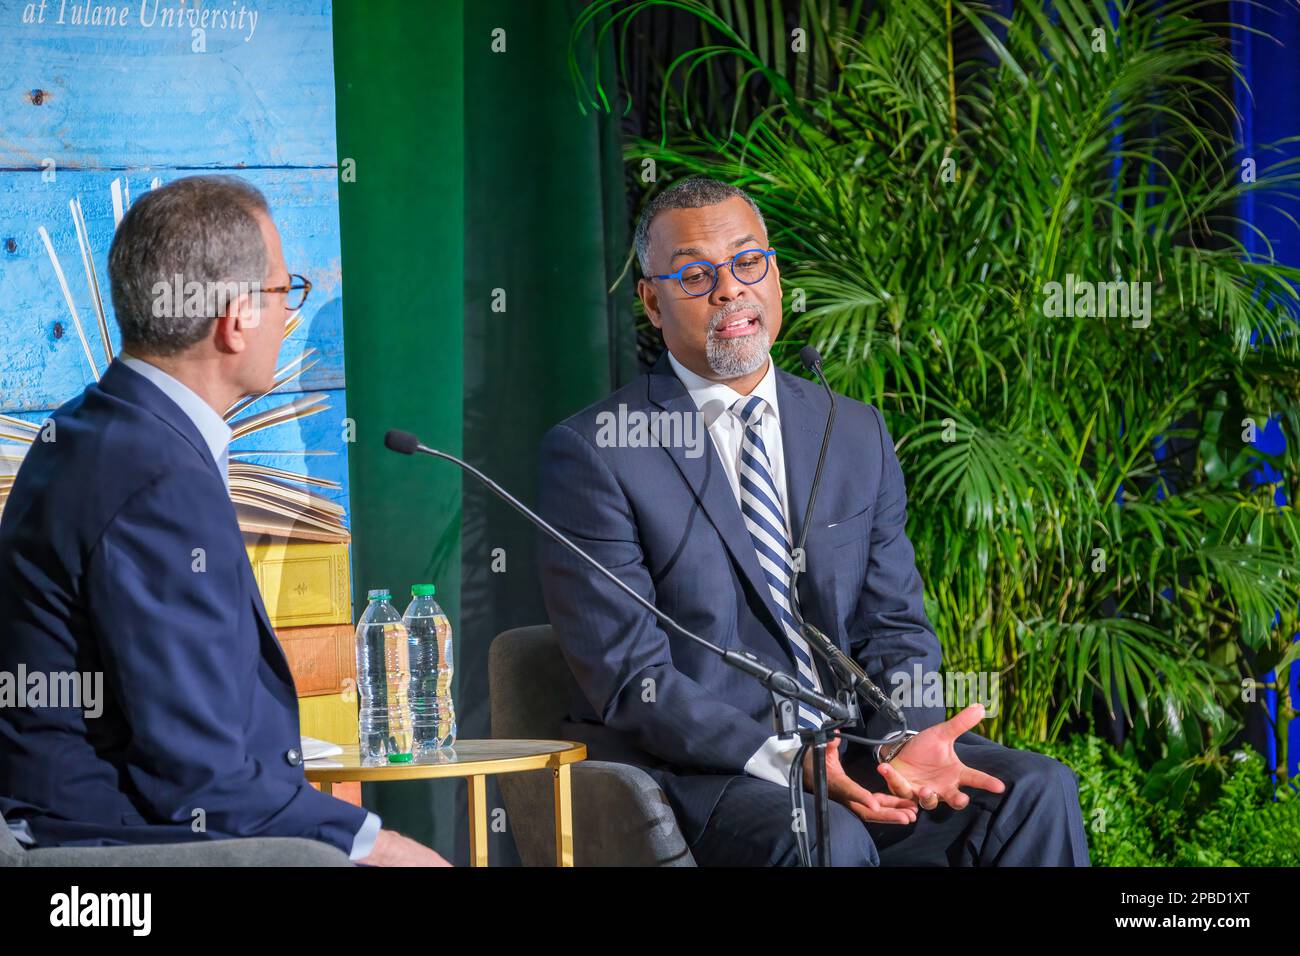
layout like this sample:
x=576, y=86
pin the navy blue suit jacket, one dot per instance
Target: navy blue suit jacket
x=100, y=570
x=668, y=524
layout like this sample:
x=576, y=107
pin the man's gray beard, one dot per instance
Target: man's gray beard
x=736, y=358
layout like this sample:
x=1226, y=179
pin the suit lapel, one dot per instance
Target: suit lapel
x=708, y=481
x=803, y=420
x=800, y=442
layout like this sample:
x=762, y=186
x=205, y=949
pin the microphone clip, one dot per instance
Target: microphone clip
x=785, y=713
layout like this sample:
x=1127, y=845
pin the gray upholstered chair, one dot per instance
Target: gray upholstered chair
x=259, y=851
x=620, y=815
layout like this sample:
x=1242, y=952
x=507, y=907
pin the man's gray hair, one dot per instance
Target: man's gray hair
x=686, y=194
x=201, y=229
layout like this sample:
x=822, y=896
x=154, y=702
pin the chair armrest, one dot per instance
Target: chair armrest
x=254, y=851
x=620, y=817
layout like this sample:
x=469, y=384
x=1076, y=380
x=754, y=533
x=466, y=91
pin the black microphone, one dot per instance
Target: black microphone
x=848, y=671
x=778, y=681
x=403, y=443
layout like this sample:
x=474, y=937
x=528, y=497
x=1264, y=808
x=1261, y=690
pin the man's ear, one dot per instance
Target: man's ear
x=650, y=299
x=231, y=331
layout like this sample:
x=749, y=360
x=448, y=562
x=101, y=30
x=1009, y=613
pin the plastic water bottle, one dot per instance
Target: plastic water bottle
x=383, y=681
x=433, y=713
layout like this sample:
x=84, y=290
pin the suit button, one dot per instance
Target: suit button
x=294, y=756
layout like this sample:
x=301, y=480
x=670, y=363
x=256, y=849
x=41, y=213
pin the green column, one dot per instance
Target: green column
x=545, y=232
x=399, y=92
x=475, y=173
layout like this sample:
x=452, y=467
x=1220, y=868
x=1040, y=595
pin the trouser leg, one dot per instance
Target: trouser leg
x=753, y=825
x=1036, y=821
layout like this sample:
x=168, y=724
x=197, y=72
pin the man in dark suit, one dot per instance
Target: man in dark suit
x=689, y=484
x=121, y=561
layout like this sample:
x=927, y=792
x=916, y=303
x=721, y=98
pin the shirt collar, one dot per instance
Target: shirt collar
x=212, y=427
x=715, y=398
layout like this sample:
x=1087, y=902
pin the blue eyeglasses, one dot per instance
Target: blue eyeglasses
x=700, y=278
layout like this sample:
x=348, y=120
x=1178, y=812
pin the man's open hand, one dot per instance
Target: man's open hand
x=927, y=769
x=870, y=807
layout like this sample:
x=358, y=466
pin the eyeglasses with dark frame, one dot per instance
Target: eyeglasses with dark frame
x=749, y=267
x=297, y=284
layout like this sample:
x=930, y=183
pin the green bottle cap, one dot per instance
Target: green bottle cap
x=379, y=594
x=422, y=590
x=400, y=758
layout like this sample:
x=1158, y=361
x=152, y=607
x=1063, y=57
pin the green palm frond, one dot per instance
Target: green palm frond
x=920, y=204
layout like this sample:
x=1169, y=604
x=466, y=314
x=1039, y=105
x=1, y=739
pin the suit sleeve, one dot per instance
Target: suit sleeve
x=618, y=652
x=892, y=636
x=164, y=585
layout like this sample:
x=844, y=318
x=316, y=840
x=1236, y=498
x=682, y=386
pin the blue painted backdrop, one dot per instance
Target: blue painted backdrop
x=154, y=98
x=1270, y=113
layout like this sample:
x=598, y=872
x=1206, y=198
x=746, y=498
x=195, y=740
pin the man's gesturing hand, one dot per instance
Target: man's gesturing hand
x=927, y=769
x=870, y=807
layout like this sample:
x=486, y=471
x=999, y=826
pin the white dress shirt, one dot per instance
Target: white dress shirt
x=714, y=400
x=216, y=435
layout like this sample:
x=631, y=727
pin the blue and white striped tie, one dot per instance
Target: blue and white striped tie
x=760, y=503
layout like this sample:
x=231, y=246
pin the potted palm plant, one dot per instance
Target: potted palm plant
x=1016, y=236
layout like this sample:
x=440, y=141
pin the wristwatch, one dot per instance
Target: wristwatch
x=894, y=742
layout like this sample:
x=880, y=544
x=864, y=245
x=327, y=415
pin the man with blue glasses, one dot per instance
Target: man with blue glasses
x=708, y=539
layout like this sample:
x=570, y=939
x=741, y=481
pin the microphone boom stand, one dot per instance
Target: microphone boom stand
x=851, y=680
